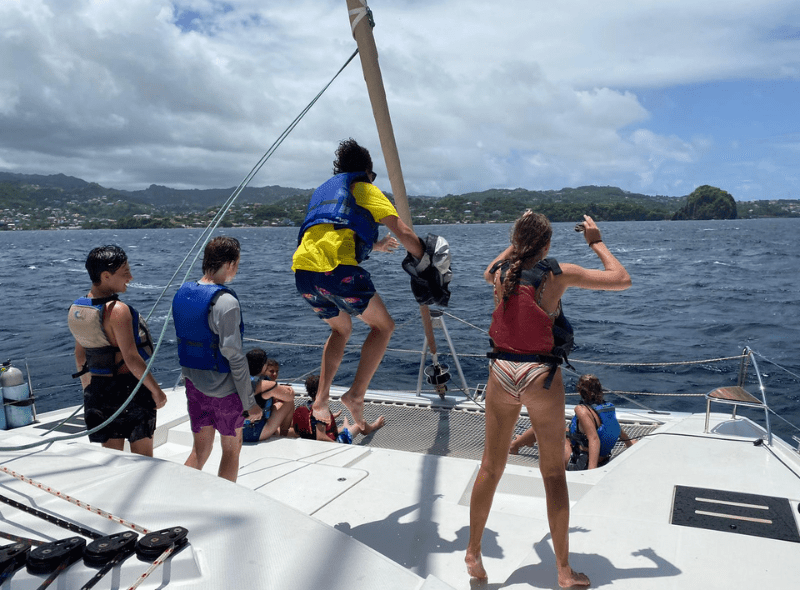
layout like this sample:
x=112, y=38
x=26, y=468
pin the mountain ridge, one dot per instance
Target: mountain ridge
x=35, y=201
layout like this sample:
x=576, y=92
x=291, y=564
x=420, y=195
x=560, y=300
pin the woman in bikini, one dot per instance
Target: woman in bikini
x=522, y=371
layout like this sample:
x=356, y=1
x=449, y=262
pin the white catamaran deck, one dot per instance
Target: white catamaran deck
x=367, y=502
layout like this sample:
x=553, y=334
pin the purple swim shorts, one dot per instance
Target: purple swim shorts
x=223, y=413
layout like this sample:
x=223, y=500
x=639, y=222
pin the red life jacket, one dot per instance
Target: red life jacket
x=305, y=425
x=520, y=325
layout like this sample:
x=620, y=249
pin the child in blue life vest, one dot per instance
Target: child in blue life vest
x=592, y=433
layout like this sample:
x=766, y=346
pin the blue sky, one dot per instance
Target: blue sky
x=656, y=97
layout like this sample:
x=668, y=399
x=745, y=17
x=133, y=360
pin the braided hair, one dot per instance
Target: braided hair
x=590, y=389
x=530, y=236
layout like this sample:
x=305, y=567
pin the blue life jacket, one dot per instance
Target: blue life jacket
x=334, y=203
x=85, y=321
x=198, y=345
x=264, y=404
x=608, y=431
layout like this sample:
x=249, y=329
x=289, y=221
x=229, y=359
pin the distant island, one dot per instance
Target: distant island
x=30, y=201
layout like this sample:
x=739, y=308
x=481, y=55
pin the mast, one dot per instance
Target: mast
x=361, y=24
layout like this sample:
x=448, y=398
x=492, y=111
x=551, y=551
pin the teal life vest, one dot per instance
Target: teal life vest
x=334, y=203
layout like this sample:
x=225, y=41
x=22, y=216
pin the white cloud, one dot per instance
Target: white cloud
x=519, y=93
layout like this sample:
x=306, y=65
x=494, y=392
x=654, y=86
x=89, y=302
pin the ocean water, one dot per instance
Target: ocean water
x=702, y=290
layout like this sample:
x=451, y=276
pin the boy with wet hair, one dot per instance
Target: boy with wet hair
x=112, y=344
x=209, y=327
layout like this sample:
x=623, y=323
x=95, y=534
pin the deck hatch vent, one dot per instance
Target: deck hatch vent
x=734, y=512
x=74, y=425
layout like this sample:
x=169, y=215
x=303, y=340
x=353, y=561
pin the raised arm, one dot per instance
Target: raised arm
x=405, y=234
x=613, y=277
x=488, y=275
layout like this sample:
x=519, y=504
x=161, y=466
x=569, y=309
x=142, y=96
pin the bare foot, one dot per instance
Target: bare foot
x=323, y=414
x=569, y=578
x=475, y=566
x=356, y=408
x=380, y=422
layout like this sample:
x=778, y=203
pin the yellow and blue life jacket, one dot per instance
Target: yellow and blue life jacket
x=333, y=202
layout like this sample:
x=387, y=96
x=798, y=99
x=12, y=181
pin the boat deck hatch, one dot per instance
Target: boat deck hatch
x=74, y=425
x=735, y=512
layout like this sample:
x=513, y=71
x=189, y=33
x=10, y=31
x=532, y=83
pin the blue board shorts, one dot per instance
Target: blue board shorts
x=346, y=288
x=251, y=431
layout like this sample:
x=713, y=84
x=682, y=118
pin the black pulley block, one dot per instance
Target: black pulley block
x=105, y=549
x=154, y=544
x=45, y=559
x=12, y=557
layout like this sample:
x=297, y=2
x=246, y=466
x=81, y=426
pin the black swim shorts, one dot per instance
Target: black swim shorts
x=105, y=395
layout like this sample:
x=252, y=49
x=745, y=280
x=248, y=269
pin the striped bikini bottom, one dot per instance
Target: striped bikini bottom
x=514, y=377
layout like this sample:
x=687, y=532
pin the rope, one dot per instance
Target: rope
x=159, y=560
x=670, y=364
x=653, y=393
x=74, y=501
x=465, y=322
x=18, y=539
x=51, y=518
x=776, y=364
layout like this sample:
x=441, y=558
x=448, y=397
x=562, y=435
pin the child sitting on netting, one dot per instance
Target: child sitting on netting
x=306, y=426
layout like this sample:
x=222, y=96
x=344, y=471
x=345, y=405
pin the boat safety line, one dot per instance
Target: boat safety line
x=774, y=413
x=776, y=364
x=623, y=393
x=458, y=319
x=51, y=518
x=75, y=501
x=771, y=450
x=669, y=364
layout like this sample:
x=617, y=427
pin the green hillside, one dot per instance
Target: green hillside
x=58, y=201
